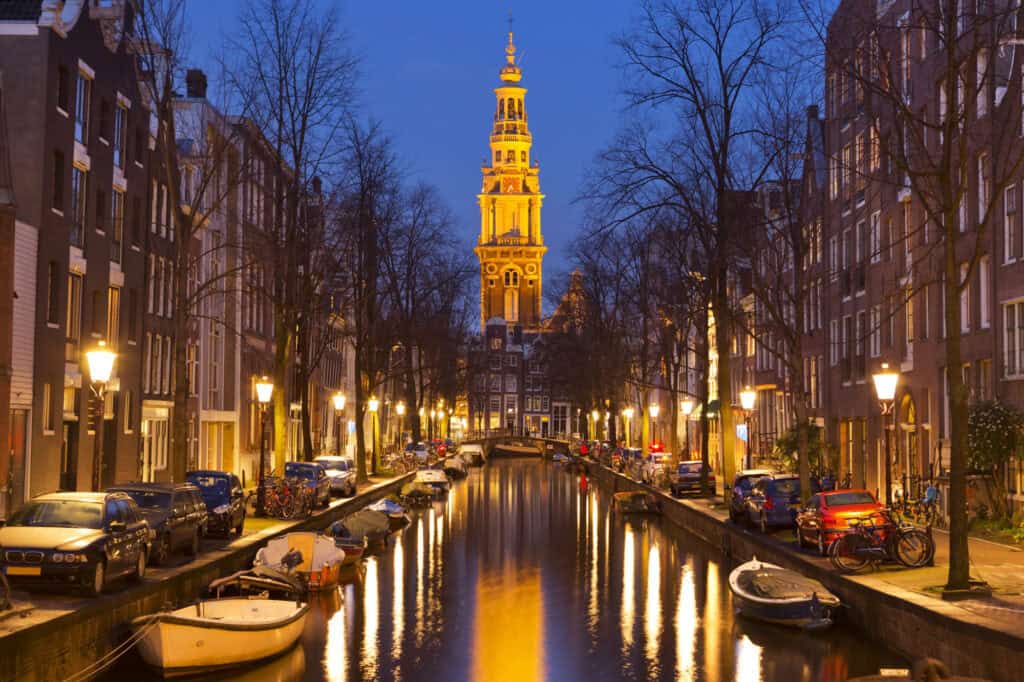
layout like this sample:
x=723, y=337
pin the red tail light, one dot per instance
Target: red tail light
x=769, y=504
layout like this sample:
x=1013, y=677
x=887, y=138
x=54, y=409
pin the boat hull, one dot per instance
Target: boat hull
x=178, y=644
x=807, y=611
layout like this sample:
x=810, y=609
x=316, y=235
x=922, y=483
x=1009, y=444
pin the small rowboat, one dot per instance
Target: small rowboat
x=636, y=502
x=321, y=558
x=218, y=634
x=395, y=512
x=777, y=595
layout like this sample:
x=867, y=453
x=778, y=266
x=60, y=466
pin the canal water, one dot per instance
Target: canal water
x=520, y=576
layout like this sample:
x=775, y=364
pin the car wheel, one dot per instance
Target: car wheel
x=799, y=537
x=822, y=548
x=241, y=524
x=140, y=567
x=193, y=546
x=163, y=550
x=763, y=524
x=98, y=581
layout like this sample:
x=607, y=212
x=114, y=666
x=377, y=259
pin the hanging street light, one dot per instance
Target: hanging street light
x=885, y=388
x=686, y=406
x=373, y=404
x=264, y=391
x=101, y=364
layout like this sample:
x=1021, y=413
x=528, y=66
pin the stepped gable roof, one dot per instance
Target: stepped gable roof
x=20, y=10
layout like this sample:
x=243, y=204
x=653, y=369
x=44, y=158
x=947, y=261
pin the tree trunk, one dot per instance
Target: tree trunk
x=705, y=453
x=282, y=351
x=727, y=433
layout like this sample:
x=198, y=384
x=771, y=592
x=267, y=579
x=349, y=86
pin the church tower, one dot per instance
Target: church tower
x=510, y=247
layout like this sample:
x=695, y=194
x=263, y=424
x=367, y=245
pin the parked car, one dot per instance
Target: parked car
x=654, y=465
x=75, y=539
x=439, y=447
x=420, y=451
x=340, y=473
x=774, y=501
x=225, y=500
x=686, y=478
x=742, y=484
x=827, y=516
x=313, y=477
x=176, y=514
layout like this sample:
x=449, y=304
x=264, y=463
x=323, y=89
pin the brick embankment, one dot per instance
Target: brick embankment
x=912, y=623
x=63, y=638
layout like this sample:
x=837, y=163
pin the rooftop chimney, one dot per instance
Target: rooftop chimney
x=195, y=84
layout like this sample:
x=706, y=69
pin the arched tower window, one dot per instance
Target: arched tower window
x=501, y=109
x=497, y=156
x=510, y=156
x=511, y=278
x=520, y=109
x=522, y=157
x=511, y=108
x=511, y=305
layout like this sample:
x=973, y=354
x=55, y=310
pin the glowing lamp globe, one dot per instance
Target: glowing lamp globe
x=686, y=406
x=628, y=413
x=747, y=398
x=654, y=410
x=101, y=363
x=400, y=409
x=373, y=403
x=339, y=402
x=264, y=389
x=885, y=383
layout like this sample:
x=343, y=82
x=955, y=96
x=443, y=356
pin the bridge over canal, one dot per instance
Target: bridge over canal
x=504, y=444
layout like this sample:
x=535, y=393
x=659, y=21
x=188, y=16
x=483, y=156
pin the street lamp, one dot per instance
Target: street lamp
x=594, y=416
x=440, y=424
x=885, y=387
x=373, y=404
x=654, y=410
x=101, y=364
x=627, y=414
x=339, y=415
x=430, y=424
x=400, y=410
x=264, y=389
x=748, y=397
x=686, y=407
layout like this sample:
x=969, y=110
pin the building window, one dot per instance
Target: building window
x=133, y=315
x=876, y=237
x=511, y=278
x=136, y=221
x=1013, y=339
x=79, y=179
x=192, y=368
x=984, y=294
x=101, y=211
x=57, y=200
x=511, y=384
x=128, y=406
x=147, y=359
x=47, y=409
x=116, y=225
x=1010, y=246
x=965, y=299
x=83, y=97
x=53, y=275
x=833, y=328
x=166, y=378
x=120, y=134
x=63, y=88
x=73, y=318
x=113, y=315
x=875, y=343
x=511, y=304
x=155, y=364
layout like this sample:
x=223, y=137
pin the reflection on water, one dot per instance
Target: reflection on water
x=520, y=576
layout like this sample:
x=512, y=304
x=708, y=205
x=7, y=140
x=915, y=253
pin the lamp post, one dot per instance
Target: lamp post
x=748, y=397
x=654, y=410
x=594, y=416
x=422, y=412
x=339, y=416
x=441, y=431
x=430, y=424
x=885, y=387
x=101, y=364
x=627, y=414
x=400, y=410
x=373, y=404
x=264, y=389
x=686, y=407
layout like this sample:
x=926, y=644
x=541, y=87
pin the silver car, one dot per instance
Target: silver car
x=341, y=474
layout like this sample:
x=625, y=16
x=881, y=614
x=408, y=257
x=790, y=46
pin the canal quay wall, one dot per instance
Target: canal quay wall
x=913, y=624
x=60, y=647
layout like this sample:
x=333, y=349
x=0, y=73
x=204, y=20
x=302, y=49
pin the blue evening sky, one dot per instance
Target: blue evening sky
x=428, y=69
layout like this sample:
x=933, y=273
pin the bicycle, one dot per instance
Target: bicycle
x=868, y=542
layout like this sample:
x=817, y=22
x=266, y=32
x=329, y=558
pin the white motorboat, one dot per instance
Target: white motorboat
x=777, y=595
x=218, y=633
x=321, y=558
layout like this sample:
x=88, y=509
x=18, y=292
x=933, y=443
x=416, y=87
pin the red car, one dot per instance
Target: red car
x=827, y=516
x=440, y=447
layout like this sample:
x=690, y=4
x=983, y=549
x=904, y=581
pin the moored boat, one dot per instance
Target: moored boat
x=455, y=467
x=364, y=526
x=434, y=478
x=777, y=595
x=394, y=511
x=636, y=502
x=416, y=495
x=218, y=633
x=321, y=557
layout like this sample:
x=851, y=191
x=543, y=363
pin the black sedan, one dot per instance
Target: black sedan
x=176, y=514
x=75, y=539
x=224, y=498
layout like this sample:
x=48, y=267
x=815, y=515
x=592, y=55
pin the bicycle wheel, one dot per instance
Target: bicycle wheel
x=844, y=553
x=914, y=548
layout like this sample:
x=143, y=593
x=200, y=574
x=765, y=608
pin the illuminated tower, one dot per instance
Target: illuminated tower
x=510, y=247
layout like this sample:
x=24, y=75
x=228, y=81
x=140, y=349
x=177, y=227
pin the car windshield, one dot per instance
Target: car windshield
x=847, y=499
x=148, y=499
x=71, y=513
x=787, y=486
x=336, y=463
x=689, y=468
x=211, y=487
x=746, y=483
x=298, y=471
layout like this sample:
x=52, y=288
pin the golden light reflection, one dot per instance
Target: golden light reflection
x=712, y=624
x=398, y=605
x=371, y=617
x=628, y=590
x=336, y=651
x=508, y=636
x=652, y=609
x=592, y=611
x=419, y=581
x=748, y=660
x=687, y=621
